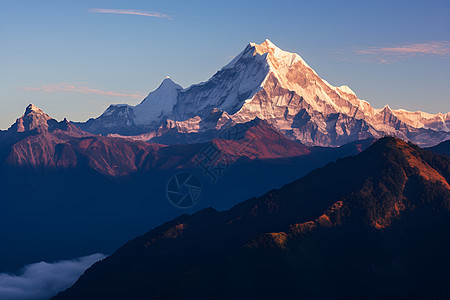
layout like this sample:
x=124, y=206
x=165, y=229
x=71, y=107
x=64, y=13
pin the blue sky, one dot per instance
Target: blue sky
x=74, y=58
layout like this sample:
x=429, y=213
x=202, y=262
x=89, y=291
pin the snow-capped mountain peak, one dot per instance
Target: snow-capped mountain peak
x=158, y=104
x=166, y=84
x=266, y=82
x=277, y=57
x=33, y=108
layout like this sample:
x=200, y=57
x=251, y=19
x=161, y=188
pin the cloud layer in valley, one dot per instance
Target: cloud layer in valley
x=43, y=280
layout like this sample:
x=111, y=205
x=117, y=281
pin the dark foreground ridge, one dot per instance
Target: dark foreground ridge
x=371, y=226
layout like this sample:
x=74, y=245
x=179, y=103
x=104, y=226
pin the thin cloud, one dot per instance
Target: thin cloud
x=43, y=280
x=72, y=88
x=386, y=55
x=436, y=48
x=134, y=12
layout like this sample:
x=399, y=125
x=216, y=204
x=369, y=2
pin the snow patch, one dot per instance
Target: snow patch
x=157, y=104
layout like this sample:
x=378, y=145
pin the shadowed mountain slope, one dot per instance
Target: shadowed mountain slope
x=371, y=226
x=442, y=148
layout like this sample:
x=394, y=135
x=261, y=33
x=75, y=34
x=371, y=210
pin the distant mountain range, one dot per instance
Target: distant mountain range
x=268, y=83
x=371, y=226
x=37, y=140
x=61, y=185
x=373, y=214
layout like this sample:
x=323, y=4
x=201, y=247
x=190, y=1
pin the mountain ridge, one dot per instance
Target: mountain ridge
x=61, y=185
x=38, y=140
x=361, y=232
x=268, y=83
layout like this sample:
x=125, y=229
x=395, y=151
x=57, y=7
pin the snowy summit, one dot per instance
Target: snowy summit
x=266, y=82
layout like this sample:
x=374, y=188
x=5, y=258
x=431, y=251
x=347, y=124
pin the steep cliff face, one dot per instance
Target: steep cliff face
x=268, y=83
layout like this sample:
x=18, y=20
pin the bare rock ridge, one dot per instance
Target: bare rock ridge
x=35, y=121
x=277, y=86
x=33, y=118
x=37, y=140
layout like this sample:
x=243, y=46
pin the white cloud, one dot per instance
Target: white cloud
x=134, y=12
x=43, y=280
x=394, y=53
x=80, y=89
x=435, y=48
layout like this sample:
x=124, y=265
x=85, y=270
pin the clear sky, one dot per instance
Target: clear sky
x=74, y=58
